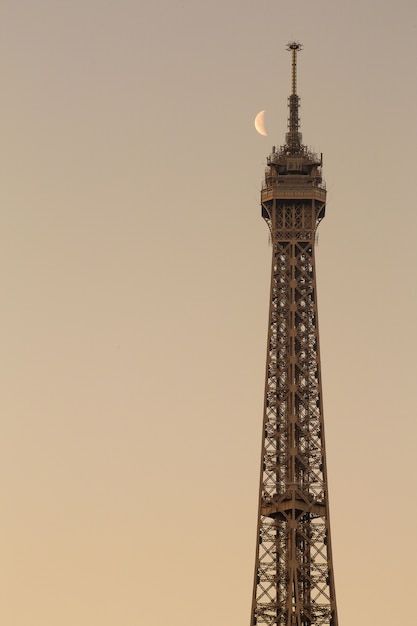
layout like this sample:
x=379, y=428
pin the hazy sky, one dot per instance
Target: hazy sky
x=134, y=295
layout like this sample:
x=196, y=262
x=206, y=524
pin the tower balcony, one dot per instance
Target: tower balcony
x=292, y=192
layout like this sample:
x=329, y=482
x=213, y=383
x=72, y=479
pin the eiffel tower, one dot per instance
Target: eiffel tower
x=294, y=581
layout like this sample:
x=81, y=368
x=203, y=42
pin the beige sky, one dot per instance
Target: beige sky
x=135, y=275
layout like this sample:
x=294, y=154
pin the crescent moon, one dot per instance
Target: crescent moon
x=260, y=123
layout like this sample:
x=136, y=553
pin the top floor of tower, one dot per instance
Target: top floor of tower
x=293, y=171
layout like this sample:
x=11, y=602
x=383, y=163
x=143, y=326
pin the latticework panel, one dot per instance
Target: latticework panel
x=294, y=577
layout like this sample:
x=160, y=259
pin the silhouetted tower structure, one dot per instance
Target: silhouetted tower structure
x=294, y=583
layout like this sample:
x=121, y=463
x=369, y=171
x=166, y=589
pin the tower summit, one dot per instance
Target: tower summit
x=294, y=582
x=293, y=137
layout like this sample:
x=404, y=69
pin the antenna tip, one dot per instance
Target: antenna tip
x=294, y=45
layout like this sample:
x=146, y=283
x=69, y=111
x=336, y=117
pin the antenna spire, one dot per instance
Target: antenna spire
x=293, y=137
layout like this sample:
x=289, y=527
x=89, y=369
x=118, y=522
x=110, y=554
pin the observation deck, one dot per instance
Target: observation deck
x=281, y=190
x=293, y=177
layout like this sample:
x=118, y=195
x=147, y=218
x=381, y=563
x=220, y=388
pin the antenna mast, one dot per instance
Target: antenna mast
x=293, y=137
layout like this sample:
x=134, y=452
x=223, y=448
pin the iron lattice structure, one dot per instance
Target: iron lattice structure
x=294, y=582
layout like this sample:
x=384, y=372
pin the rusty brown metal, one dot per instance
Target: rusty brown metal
x=294, y=580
